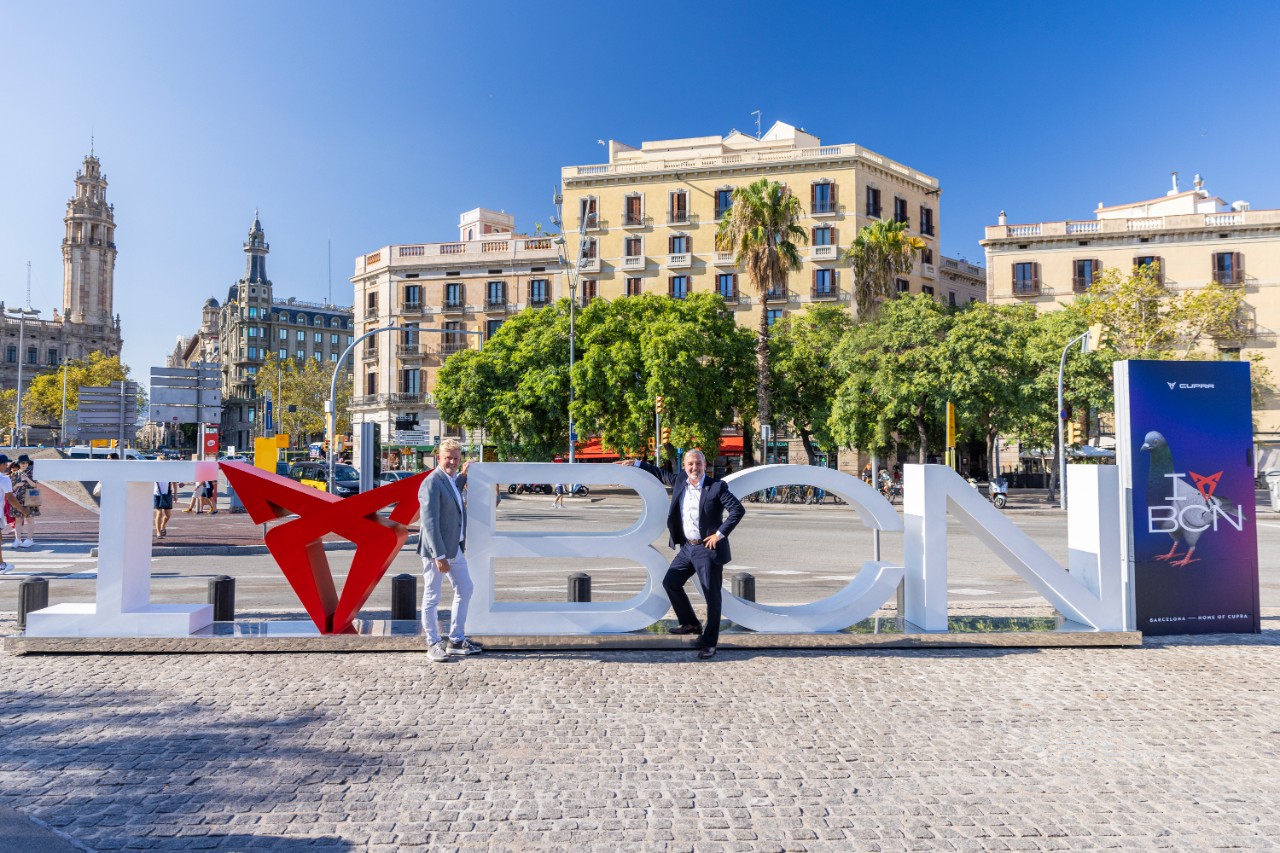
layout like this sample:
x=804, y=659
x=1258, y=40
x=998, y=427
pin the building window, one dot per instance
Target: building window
x=1228, y=267
x=1026, y=279
x=11, y=354
x=371, y=383
x=1085, y=273
x=253, y=312
x=589, y=290
x=409, y=381
x=319, y=337
x=633, y=213
x=453, y=341
x=633, y=286
x=724, y=201
x=52, y=355
x=773, y=315
x=927, y=289
x=873, y=202
x=823, y=198
x=901, y=286
x=409, y=337
x=333, y=356
x=282, y=354
x=727, y=286
x=371, y=305
x=824, y=283
x=253, y=331
x=589, y=248
x=33, y=355
x=496, y=293
x=634, y=247
x=679, y=287
x=333, y=340
x=824, y=235
x=926, y=220
x=951, y=298
x=678, y=244
x=490, y=327
x=678, y=212
x=412, y=298
x=588, y=213
x=1152, y=261
x=900, y=210
x=455, y=294
x=926, y=256
x=301, y=354
x=316, y=355
x=538, y=291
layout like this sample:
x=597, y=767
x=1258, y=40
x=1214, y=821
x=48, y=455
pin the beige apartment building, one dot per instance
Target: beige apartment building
x=1194, y=236
x=462, y=291
x=645, y=221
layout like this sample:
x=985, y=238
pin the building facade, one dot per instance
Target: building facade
x=253, y=323
x=87, y=322
x=1194, y=236
x=645, y=222
x=462, y=291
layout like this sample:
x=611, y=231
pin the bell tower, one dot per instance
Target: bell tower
x=89, y=258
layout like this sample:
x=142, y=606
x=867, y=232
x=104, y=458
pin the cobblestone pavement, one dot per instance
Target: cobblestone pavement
x=1172, y=746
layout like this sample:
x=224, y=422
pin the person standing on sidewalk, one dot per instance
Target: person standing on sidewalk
x=12, y=508
x=163, y=502
x=442, y=545
x=23, y=486
x=559, y=490
x=699, y=531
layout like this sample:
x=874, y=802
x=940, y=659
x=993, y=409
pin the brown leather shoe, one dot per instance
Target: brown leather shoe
x=687, y=629
x=707, y=653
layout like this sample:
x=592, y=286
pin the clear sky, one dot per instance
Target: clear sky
x=368, y=124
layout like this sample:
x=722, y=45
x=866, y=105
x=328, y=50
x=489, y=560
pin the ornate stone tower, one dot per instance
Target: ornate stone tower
x=256, y=249
x=88, y=264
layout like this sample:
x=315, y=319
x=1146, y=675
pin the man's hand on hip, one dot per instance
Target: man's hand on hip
x=442, y=565
x=712, y=540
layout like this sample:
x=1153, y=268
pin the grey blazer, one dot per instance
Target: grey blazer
x=441, y=517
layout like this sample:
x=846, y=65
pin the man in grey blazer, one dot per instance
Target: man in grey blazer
x=442, y=546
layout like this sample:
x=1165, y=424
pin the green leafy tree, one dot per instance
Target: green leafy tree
x=43, y=400
x=690, y=351
x=893, y=391
x=761, y=230
x=882, y=251
x=988, y=371
x=516, y=387
x=803, y=381
x=305, y=386
x=8, y=407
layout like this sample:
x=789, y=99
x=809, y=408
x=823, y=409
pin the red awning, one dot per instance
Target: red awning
x=731, y=445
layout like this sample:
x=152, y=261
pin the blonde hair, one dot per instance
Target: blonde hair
x=450, y=444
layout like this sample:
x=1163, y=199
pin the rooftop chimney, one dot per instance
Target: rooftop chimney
x=1001, y=219
x=1174, y=191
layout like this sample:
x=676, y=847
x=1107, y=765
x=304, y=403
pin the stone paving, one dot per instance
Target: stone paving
x=1172, y=746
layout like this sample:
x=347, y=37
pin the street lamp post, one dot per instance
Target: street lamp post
x=331, y=405
x=571, y=271
x=62, y=433
x=1083, y=340
x=22, y=314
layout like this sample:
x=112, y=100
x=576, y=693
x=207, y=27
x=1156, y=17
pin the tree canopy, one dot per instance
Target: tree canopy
x=880, y=252
x=802, y=376
x=43, y=399
x=305, y=385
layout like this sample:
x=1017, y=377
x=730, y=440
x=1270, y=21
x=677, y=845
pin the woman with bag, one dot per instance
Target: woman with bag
x=27, y=493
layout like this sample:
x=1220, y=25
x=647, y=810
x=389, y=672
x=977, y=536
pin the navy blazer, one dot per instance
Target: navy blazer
x=716, y=501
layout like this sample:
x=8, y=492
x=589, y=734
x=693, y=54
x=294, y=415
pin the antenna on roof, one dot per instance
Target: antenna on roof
x=756, y=113
x=28, y=285
x=330, y=270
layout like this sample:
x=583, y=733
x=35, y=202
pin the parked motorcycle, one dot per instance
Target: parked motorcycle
x=998, y=491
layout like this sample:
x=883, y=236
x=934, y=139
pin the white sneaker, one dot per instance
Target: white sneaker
x=5, y=568
x=27, y=543
x=437, y=651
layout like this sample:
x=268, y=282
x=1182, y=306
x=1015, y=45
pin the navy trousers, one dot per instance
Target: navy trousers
x=690, y=560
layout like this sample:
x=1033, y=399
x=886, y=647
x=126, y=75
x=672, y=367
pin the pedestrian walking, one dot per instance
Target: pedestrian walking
x=27, y=493
x=559, y=490
x=163, y=503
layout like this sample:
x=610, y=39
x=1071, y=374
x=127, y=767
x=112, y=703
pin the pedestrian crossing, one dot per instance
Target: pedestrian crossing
x=49, y=562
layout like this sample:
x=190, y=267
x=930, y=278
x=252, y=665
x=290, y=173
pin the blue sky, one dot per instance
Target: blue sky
x=370, y=124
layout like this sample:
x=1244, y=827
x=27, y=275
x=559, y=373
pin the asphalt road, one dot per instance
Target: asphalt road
x=796, y=553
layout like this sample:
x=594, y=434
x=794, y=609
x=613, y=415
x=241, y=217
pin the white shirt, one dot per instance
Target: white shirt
x=162, y=487
x=458, y=496
x=6, y=485
x=689, y=510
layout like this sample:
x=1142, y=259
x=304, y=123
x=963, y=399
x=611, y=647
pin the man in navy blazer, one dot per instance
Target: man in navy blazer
x=700, y=533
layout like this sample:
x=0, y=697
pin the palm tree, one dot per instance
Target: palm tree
x=881, y=251
x=760, y=229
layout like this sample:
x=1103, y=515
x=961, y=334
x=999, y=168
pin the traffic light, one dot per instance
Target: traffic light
x=666, y=435
x=1075, y=435
x=658, y=402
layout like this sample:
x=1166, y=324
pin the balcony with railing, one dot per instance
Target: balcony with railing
x=591, y=265
x=448, y=348
x=824, y=292
x=454, y=306
x=633, y=262
x=636, y=220
x=537, y=300
x=731, y=296
x=726, y=259
x=1179, y=222
x=824, y=253
x=775, y=295
x=533, y=249
x=680, y=260
x=824, y=207
x=496, y=303
x=1229, y=278
x=404, y=351
x=369, y=354
x=590, y=222
x=407, y=308
x=928, y=271
x=1027, y=287
x=680, y=217
x=406, y=398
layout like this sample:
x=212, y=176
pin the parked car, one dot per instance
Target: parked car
x=346, y=480
x=392, y=476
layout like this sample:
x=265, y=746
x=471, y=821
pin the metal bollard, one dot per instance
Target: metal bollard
x=744, y=586
x=579, y=586
x=404, y=597
x=222, y=595
x=33, y=594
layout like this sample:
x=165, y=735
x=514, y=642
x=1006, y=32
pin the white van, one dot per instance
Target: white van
x=84, y=451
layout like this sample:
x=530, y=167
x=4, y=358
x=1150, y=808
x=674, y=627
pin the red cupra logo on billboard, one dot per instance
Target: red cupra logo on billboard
x=299, y=551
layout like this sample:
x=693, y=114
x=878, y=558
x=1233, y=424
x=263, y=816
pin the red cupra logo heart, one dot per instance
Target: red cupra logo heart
x=299, y=551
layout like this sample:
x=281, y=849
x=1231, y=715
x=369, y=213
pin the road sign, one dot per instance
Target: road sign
x=190, y=395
